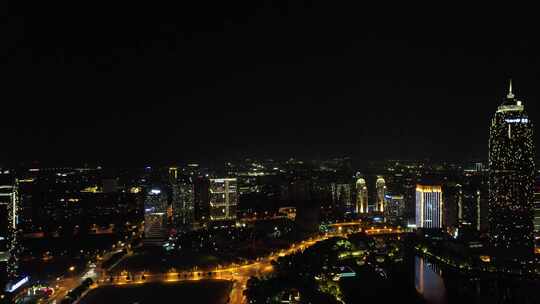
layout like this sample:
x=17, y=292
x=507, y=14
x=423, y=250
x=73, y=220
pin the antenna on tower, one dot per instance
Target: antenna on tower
x=510, y=94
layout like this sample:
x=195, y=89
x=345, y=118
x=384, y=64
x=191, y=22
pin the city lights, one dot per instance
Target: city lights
x=269, y=152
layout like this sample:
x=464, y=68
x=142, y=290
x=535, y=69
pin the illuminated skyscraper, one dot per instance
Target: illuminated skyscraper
x=182, y=202
x=182, y=198
x=380, y=186
x=429, y=206
x=361, y=196
x=511, y=179
x=155, y=212
x=537, y=207
x=223, y=198
x=9, y=247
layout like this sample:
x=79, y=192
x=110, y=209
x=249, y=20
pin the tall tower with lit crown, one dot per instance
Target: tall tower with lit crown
x=511, y=180
x=380, y=186
x=361, y=196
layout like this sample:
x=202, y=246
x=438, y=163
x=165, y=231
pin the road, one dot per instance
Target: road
x=74, y=278
x=238, y=274
x=62, y=287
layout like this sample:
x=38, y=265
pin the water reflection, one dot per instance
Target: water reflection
x=429, y=282
x=438, y=285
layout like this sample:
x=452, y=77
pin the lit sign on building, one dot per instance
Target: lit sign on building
x=18, y=284
x=517, y=120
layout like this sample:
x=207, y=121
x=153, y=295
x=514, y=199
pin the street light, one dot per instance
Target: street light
x=72, y=268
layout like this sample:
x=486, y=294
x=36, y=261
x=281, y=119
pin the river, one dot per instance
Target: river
x=438, y=284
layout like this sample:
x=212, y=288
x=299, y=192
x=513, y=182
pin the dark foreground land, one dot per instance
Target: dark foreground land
x=202, y=292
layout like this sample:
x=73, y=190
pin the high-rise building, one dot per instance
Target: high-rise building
x=182, y=200
x=27, y=218
x=201, y=198
x=469, y=206
x=342, y=197
x=429, y=206
x=156, y=201
x=9, y=242
x=511, y=180
x=307, y=195
x=223, y=198
x=361, y=196
x=380, y=186
x=395, y=209
x=537, y=206
x=155, y=212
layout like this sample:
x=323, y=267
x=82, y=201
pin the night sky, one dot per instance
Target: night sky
x=145, y=82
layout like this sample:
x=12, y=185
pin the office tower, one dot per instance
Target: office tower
x=453, y=205
x=469, y=206
x=9, y=241
x=223, y=198
x=511, y=180
x=155, y=211
x=27, y=219
x=478, y=211
x=156, y=201
x=361, y=196
x=307, y=195
x=173, y=173
x=201, y=199
x=342, y=197
x=380, y=186
x=395, y=209
x=537, y=206
x=429, y=206
x=460, y=204
x=182, y=201
x=182, y=196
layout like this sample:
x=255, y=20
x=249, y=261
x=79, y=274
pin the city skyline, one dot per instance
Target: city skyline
x=268, y=152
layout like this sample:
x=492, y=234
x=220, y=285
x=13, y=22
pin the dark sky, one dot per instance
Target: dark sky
x=135, y=83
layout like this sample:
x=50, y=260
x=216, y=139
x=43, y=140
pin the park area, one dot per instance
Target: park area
x=202, y=292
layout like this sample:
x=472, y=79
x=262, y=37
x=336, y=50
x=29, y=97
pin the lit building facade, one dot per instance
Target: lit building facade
x=155, y=212
x=429, y=206
x=395, y=209
x=9, y=241
x=183, y=201
x=537, y=206
x=361, y=196
x=380, y=186
x=511, y=180
x=223, y=198
x=156, y=201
